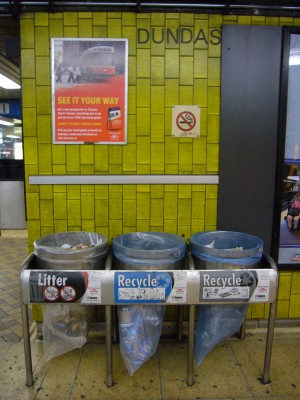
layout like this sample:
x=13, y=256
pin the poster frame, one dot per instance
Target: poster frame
x=282, y=196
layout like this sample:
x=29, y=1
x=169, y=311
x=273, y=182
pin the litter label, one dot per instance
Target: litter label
x=65, y=287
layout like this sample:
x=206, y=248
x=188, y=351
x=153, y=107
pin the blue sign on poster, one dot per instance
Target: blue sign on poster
x=142, y=287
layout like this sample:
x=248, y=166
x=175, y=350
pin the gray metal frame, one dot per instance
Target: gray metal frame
x=193, y=298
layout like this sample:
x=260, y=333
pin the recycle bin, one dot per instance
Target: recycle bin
x=65, y=326
x=221, y=250
x=140, y=325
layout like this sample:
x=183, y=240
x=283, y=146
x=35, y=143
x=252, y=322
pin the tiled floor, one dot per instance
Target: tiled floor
x=232, y=371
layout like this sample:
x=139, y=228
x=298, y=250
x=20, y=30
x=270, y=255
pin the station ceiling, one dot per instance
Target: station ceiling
x=11, y=10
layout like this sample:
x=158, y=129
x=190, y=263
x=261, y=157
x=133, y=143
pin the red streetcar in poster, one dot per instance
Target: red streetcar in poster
x=89, y=90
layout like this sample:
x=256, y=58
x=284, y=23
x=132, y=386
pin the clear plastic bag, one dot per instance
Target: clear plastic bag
x=139, y=330
x=215, y=323
x=65, y=328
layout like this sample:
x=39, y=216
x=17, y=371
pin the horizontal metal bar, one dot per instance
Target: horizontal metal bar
x=123, y=179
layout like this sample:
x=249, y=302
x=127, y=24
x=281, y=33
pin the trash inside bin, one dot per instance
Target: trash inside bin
x=65, y=326
x=140, y=325
x=211, y=250
x=71, y=250
x=143, y=250
x=221, y=250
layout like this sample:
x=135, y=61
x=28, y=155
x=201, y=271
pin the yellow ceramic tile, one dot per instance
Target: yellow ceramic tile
x=214, y=71
x=44, y=129
x=99, y=18
x=210, y=212
x=143, y=92
x=42, y=71
x=129, y=213
x=295, y=282
x=43, y=98
x=213, y=100
x=27, y=33
x=30, y=151
x=244, y=20
x=142, y=225
x=46, y=213
x=212, y=158
x=213, y=128
x=157, y=158
x=198, y=205
x=294, y=311
x=143, y=121
x=85, y=27
x=41, y=19
x=170, y=206
x=156, y=212
x=88, y=225
x=258, y=311
x=284, y=289
x=73, y=158
x=143, y=206
x=129, y=158
x=172, y=63
x=186, y=70
x=41, y=38
x=46, y=192
x=60, y=206
x=28, y=93
x=87, y=154
x=45, y=158
x=157, y=70
x=32, y=206
x=143, y=63
x=87, y=206
x=115, y=206
x=157, y=100
x=200, y=92
x=129, y=32
x=71, y=31
x=70, y=18
x=171, y=92
x=74, y=215
x=186, y=94
x=29, y=122
x=185, y=157
x=28, y=63
x=114, y=28
x=73, y=192
x=101, y=158
x=101, y=212
x=157, y=129
x=201, y=35
x=157, y=191
x=184, y=211
x=56, y=28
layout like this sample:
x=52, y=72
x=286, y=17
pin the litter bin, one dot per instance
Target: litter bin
x=140, y=325
x=65, y=326
x=221, y=250
x=71, y=250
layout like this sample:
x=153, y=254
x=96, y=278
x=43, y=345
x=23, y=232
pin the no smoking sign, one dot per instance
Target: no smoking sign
x=186, y=121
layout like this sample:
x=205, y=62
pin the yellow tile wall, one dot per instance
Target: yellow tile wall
x=162, y=73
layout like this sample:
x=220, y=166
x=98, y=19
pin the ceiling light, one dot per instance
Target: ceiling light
x=7, y=83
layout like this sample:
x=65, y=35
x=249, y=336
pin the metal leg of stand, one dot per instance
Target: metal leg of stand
x=242, y=330
x=269, y=343
x=108, y=327
x=179, y=322
x=27, y=346
x=190, y=367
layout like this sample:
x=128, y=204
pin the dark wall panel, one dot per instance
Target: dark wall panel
x=251, y=65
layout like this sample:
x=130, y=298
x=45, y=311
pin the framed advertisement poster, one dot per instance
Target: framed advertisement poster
x=89, y=90
x=287, y=252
